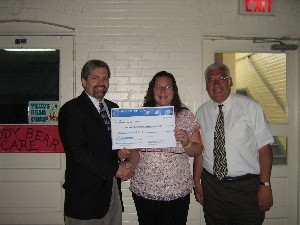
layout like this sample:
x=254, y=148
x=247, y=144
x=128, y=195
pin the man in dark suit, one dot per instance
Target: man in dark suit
x=92, y=192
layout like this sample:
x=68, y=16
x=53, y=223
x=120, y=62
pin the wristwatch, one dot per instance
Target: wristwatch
x=265, y=183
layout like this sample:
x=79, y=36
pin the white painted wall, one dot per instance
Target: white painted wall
x=139, y=38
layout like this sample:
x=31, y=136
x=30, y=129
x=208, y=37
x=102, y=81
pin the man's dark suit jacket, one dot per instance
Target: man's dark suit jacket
x=90, y=161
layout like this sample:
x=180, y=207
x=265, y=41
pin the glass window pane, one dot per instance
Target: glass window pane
x=262, y=76
x=279, y=149
x=26, y=76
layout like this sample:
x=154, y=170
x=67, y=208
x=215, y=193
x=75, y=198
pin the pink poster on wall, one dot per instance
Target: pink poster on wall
x=30, y=139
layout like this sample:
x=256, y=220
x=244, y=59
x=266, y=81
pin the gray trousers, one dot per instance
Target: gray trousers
x=113, y=216
x=231, y=203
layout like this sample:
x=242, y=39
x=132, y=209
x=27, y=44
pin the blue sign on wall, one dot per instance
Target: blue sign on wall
x=43, y=112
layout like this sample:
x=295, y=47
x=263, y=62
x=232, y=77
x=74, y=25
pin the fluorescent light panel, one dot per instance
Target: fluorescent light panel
x=30, y=49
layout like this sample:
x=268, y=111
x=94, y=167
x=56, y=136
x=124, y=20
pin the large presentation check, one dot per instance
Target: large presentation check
x=147, y=127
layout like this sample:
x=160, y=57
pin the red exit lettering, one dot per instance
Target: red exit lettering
x=258, y=5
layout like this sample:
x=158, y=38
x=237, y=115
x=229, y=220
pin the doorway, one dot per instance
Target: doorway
x=284, y=178
x=31, y=183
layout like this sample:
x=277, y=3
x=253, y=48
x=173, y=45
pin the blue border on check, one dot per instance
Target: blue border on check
x=144, y=111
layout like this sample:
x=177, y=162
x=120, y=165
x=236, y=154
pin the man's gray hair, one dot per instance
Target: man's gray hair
x=216, y=66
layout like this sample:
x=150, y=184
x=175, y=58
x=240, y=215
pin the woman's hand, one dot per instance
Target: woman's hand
x=198, y=193
x=182, y=136
x=123, y=153
x=192, y=146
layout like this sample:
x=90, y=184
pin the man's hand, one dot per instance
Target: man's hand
x=125, y=171
x=265, y=198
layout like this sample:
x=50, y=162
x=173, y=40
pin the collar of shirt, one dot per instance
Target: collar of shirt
x=96, y=104
x=226, y=104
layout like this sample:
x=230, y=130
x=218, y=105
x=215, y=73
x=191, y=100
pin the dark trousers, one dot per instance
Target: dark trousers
x=231, y=203
x=151, y=212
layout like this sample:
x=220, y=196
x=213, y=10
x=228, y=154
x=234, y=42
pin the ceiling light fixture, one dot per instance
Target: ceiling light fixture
x=30, y=49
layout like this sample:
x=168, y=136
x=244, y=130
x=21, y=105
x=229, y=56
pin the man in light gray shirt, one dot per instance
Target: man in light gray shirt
x=242, y=193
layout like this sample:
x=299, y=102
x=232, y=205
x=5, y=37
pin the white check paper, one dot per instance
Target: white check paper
x=147, y=127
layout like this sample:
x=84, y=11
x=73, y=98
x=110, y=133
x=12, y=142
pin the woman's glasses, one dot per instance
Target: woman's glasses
x=160, y=88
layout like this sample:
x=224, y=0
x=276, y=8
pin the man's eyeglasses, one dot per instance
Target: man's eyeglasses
x=221, y=79
x=159, y=88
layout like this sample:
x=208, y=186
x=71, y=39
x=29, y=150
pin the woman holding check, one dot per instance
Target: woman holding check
x=163, y=182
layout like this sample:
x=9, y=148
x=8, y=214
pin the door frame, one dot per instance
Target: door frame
x=39, y=171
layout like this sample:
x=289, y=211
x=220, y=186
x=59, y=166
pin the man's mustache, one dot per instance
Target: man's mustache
x=102, y=86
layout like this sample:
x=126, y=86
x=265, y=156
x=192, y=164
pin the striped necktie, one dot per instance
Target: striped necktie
x=104, y=116
x=220, y=162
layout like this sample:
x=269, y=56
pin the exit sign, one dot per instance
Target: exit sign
x=257, y=7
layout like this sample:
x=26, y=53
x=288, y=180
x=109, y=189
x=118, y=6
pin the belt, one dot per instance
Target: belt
x=233, y=179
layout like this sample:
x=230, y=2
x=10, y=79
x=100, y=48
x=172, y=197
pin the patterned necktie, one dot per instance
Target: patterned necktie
x=104, y=116
x=220, y=162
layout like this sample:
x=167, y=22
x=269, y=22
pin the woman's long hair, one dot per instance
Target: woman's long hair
x=149, y=100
